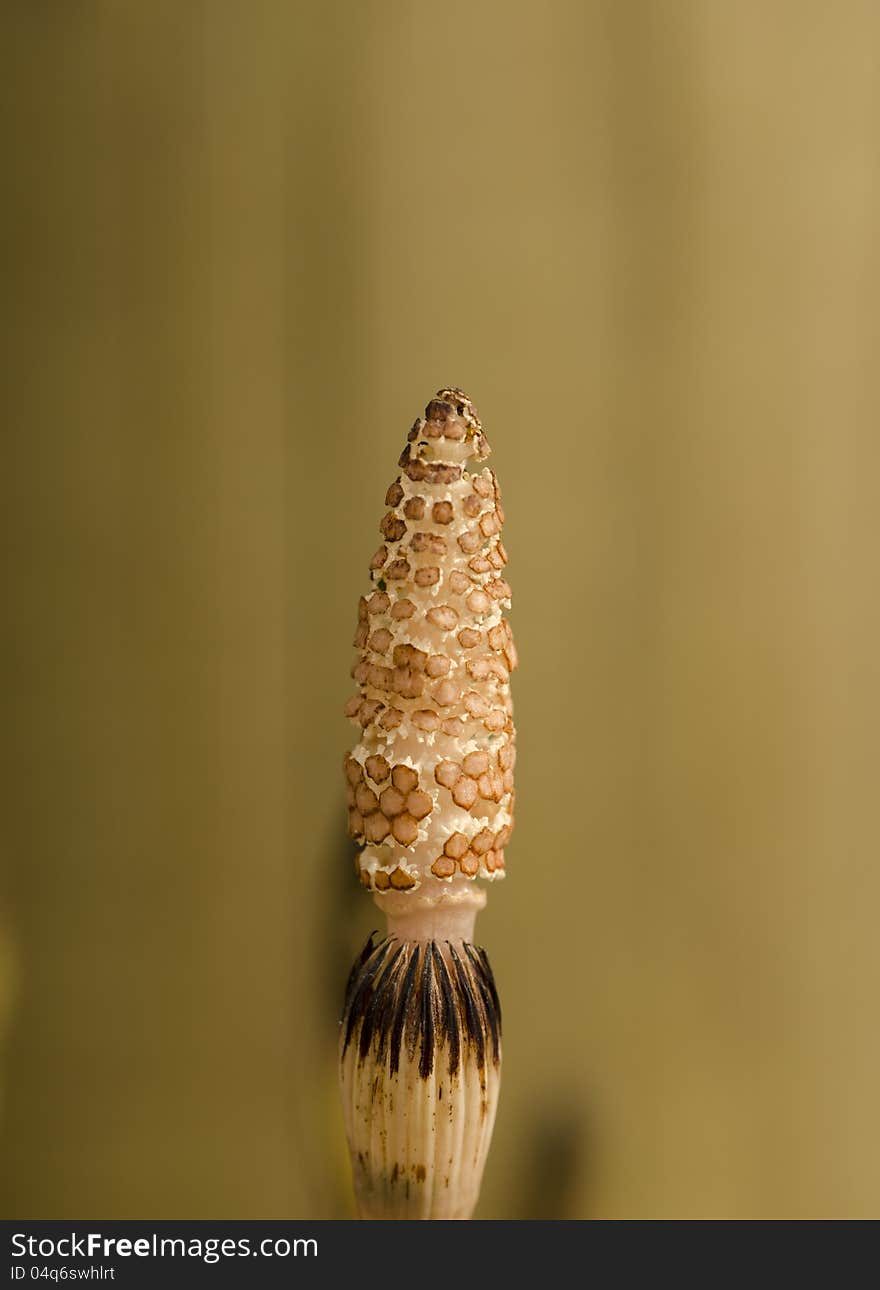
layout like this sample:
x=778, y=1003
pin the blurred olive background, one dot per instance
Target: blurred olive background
x=244, y=243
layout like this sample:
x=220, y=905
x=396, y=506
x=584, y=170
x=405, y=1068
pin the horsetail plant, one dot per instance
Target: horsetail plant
x=430, y=798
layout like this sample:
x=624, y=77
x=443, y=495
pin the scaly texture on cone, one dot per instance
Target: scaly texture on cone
x=430, y=805
x=430, y=781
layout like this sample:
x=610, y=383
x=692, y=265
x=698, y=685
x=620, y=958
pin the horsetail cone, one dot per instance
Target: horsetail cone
x=430, y=804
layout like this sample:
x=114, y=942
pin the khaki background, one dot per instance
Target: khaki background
x=244, y=243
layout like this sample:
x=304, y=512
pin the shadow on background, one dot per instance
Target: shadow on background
x=556, y=1160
